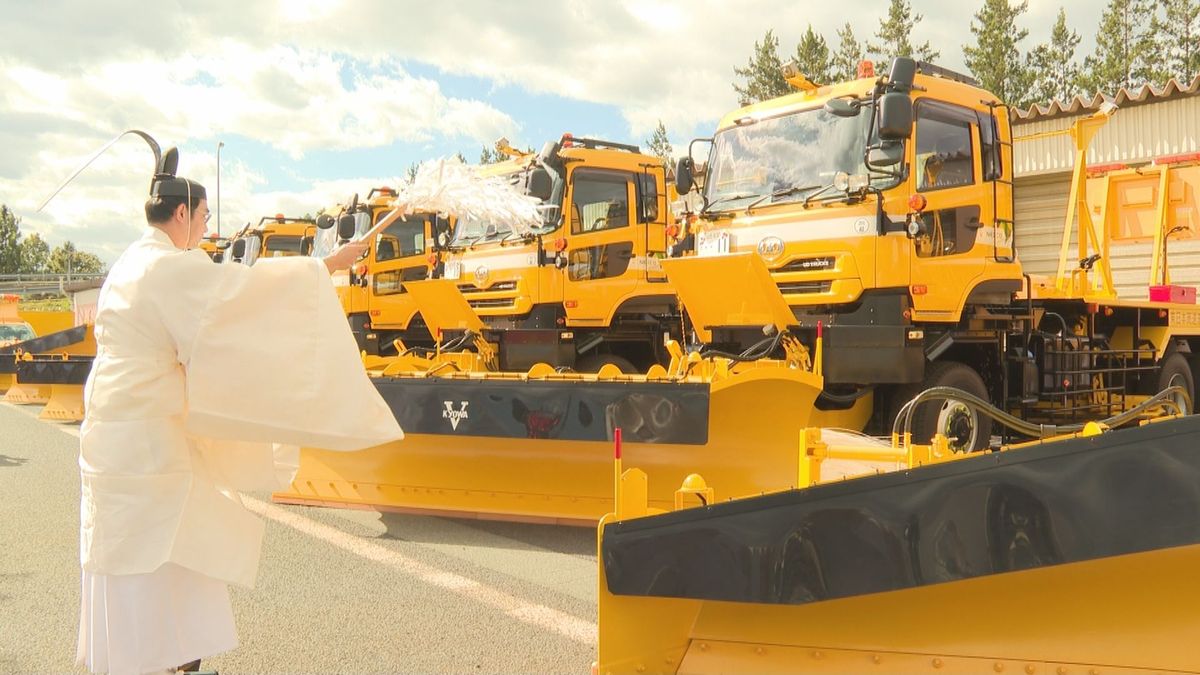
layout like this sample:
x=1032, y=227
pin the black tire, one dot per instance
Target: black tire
x=593, y=363
x=967, y=430
x=1175, y=369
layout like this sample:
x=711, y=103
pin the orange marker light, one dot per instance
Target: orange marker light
x=917, y=202
x=920, y=289
x=432, y=259
x=560, y=244
x=279, y=218
x=866, y=68
x=673, y=231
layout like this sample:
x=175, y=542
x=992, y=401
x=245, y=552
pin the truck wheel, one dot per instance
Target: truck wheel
x=1175, y=370
x=593, y=363
x=966, y=429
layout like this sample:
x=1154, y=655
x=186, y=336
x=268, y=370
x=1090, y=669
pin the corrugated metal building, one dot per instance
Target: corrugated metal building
x=1149, y=122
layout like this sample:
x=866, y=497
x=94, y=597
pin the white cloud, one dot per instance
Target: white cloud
x=310, y=75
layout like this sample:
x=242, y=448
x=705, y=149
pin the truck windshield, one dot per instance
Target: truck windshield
x=468, y=231
x=802, y=151
x=15, y=332
x=403, y=238
x=474, y=231
x=282, y=245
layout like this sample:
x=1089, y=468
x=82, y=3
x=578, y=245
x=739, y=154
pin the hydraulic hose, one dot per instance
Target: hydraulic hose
x=1164, y=397
x=756, y=351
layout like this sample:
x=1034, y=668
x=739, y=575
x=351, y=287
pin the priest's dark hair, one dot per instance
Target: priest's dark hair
x=159, y=209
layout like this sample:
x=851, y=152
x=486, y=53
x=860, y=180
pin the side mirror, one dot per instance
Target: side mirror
x=346, y=227
x=325, y=221
x=887, y=155
x=895, y=116
x=540, y=185
x=842, y=107
x=904, y=71
x=647, y=191
x=352, y=203
x=684, y=180
x=239, y=249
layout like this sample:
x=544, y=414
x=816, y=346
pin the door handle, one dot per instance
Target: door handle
x=974, y=224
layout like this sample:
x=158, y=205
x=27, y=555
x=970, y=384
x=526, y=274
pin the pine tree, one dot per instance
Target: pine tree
x=1053, y=68
x=35, y=254
x=411, y=173
x=843, y=64
x=763, y=73
x=1176, y=38
x=489, y=156
x=660, y=145
x=895, y=35
x=995, y=59
x=1123, y=48
x=460, y=157
x=10, y=241
x=812, y=57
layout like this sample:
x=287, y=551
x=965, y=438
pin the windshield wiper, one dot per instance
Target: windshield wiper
x=783, y=192
x=729, y=198
x=459, y=245
x=512, y=234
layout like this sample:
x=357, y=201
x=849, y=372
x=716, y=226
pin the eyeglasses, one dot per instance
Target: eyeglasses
x=207, y=216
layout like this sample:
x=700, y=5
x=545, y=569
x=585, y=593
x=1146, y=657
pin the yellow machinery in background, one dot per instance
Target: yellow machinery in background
x=584, y=289
x=375, y=293
x=50, y=370
x=806, y=305
x=273, y=236
x=18, y=326
x=1070, y=555
x=215, y=247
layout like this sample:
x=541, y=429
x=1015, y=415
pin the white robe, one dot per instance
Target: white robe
x=207, y=377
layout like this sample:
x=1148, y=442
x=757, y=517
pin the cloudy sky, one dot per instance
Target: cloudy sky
x=315, y=99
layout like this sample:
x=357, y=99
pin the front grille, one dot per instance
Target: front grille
x=824, y=262
x=499, y=286
x=492, y=303
x=798, y=287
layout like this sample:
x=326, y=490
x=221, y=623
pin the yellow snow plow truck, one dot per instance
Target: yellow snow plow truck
x=274, y=236
x=854, y=249
x=582, y=289
x=375, y=293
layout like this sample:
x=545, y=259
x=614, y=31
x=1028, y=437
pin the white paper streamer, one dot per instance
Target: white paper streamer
x=448, y=186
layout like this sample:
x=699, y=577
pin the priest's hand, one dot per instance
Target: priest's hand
x=345, y=255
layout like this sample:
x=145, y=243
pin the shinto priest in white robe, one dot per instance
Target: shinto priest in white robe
x=207, y=377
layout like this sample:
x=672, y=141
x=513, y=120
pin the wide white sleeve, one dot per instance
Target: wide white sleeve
x=269, y=358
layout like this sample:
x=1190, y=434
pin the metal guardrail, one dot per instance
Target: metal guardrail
x=31, y=284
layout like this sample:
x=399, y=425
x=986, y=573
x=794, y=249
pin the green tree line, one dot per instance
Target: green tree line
x=1137, y=42
x=32, y=255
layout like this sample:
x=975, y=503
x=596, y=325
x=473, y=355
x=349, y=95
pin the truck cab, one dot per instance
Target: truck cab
x=274, y=237
x=584, y=288
x=409, y=249
x=877, y=205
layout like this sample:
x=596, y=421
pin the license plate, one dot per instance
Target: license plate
x=712, y=242
x=453, y=269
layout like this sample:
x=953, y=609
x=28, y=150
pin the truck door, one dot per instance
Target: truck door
x=398, y=256
x=602, y=244
x=947, y=174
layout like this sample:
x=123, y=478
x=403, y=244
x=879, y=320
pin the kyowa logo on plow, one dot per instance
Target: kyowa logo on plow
x=455, y=416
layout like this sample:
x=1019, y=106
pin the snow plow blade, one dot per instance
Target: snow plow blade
x=536, y=446
x=520, y=448
x=77, y=341
x=1070, y=555
x=65, y=377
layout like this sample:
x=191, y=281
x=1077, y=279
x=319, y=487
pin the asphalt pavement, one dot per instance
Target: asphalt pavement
x=338, y=591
